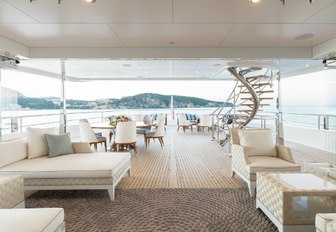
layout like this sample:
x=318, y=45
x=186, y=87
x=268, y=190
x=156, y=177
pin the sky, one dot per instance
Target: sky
x=311, y=89
x=37, y=86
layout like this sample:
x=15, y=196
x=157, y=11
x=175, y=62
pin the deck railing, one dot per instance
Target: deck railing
x=19, y=124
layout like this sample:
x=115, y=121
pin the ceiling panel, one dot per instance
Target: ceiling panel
x=327, y=15
x=278, y=35
x=9, y=14
x=241, y=11
x=161, y=35
x=61, y=35
x=103, y=11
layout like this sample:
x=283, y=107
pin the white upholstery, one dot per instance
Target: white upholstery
x=182, y=120
x=205, y=120
x=246, y=166
x=12, y=151
x=325, y=222
x=73, y=171
x=81, y=147
x=269, y=163
x=91, y=165
x=37, y=145
x=31, y=220
x=160, y=130
x=257, y=142
x=125, y=132
x=86, y=132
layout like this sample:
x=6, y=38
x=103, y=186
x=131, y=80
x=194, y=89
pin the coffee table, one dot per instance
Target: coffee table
x=292, y=200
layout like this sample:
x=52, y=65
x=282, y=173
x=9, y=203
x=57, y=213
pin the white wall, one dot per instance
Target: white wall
x=320, y=139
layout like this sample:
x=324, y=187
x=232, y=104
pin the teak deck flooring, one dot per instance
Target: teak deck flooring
x=193, y=160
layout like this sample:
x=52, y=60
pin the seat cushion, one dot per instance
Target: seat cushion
x=84, y=165
x=12, y=151
x=325, y=222
x=37, y=145
x=268, y=163
x=31, y=220
x=257, y=142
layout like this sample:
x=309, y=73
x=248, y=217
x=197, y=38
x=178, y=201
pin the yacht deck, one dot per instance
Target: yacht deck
x=192, y=160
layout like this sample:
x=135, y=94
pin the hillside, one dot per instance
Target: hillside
x=140, y=101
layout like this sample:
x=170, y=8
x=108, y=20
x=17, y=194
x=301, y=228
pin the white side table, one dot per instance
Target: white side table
x=11, y=192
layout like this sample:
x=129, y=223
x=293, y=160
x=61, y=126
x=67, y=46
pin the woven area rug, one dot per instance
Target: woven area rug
x=156, y=210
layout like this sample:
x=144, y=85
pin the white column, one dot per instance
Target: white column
x=63, y=116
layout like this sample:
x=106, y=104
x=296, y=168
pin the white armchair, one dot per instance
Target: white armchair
x=253, y=150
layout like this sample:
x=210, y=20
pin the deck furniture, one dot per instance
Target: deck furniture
x=15, y=218
x=205, y=122
x=253, y=150
x=158, y=133
x=79, y=170
x=88, y=135
x=11, y=192
x=292, y=200
x=125, y=135
x=325, y=222
x=183, y=122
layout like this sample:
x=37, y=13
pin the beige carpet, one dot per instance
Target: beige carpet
x=228, y=210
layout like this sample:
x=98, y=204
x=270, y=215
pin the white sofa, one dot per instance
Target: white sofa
x=80, y=170
x=20, y=219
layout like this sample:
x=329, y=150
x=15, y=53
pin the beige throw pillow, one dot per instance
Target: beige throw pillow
x=257, y=142
x=37, y=145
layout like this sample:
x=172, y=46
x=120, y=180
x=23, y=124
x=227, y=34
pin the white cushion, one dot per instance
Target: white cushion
x=269, y=163
x=31, y=220
x=37, y=145
x=12, y=151
x=325, y=222
x=257, y=142
x=84, y=165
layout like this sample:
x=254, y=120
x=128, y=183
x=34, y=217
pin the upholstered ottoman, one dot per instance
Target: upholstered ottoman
x=325, y=222
x=32, y=220
x=11, y=192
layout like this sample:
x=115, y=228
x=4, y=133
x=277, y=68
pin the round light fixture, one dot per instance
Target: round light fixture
x=304, y=36
x=90, y=1
x=254, y=1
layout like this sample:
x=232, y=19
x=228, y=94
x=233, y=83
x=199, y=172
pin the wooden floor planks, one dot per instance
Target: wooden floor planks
x=192, y=160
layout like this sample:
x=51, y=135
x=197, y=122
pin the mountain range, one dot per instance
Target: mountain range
x=140, y=101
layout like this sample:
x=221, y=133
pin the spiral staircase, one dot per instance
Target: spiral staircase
x=252, y=91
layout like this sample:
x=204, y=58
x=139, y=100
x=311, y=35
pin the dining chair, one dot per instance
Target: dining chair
x=99, y=134
x=205, y=122
x=157, y=134
x=125, y=135
x=88, y=135
x=183, y=122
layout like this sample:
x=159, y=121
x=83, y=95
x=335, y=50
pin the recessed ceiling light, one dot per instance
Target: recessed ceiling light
x=304, y=36
x=127, y=65
x=90, y=1
x=254, y=1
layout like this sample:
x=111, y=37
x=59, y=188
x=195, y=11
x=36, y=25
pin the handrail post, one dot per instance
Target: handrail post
x=326, y=122
x=21, y=125
x=319, y=122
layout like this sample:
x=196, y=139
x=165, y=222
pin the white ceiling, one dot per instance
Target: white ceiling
x=231, y=32
x=156, y=23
